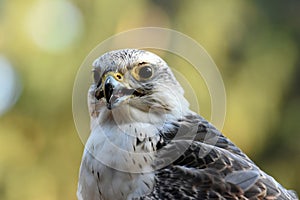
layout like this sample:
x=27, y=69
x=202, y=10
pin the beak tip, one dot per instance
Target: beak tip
x=108, y=105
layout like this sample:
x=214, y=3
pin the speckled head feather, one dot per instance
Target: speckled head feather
x=160, y=92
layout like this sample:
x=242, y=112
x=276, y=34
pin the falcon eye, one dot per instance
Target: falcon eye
x=97, y=77
x=143, y=72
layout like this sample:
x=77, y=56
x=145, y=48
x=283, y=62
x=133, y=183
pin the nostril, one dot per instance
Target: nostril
x=118, y=76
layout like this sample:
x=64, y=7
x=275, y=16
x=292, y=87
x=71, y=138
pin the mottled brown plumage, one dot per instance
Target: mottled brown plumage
x=212, y=168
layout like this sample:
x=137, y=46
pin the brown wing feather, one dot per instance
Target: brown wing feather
x=212, y=167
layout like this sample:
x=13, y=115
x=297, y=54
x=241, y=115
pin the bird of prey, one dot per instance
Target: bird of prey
x=146, y=143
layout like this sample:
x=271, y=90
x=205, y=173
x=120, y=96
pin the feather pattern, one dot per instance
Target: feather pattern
x=211, y=170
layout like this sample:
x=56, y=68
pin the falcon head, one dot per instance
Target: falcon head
x=134, y=81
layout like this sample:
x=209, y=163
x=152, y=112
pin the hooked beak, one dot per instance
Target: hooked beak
x=115, y=92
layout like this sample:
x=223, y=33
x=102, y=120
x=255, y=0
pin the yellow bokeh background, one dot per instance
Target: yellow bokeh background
x=255, y=44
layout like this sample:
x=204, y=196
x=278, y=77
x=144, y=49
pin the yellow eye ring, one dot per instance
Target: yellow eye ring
x=118, y=76
x=143, y=72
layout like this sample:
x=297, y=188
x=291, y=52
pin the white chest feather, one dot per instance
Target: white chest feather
x=117, y=162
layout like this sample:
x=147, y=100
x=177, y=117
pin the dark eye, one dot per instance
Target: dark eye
x=145, y=72
x=97, y=77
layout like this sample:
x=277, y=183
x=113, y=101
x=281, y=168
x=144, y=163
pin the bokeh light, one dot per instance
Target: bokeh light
x=255, y=44
x=54, y=25
x=9, y=85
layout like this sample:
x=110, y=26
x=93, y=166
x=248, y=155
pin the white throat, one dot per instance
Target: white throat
x=123, y=150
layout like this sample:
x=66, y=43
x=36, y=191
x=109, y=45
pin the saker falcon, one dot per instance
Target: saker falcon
x=146, y=143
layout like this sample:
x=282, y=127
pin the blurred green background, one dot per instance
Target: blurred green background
x=255, y=44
